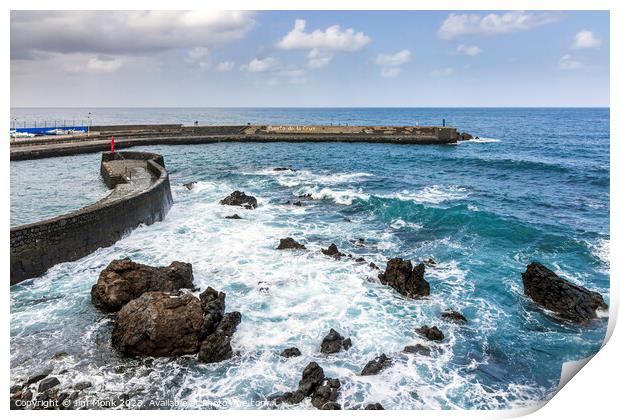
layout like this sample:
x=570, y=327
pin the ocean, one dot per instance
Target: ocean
x=533, y=187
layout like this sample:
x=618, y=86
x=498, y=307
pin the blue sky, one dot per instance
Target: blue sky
x=314, y=58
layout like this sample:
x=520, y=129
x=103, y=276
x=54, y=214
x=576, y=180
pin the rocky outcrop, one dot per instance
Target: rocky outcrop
x=290, y=243
x=454, y=316
x=465, y=136
x=333, y=342
x=239, y=198
x=48, y=383
x=376, y=365
x=555, y=294
x=405, y=279
x=374, y=406
x=234, y=216
x=417, y=349
x=124, y=280
x=333, y=252
x=430, y=333
x=323, y=392
x=290, y=352
x=283, y=168
x=216, y=347
x=213, y=307
x=158, y=324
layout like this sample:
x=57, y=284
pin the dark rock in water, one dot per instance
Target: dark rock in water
x=360, y=260
x=290, y=352
x=334, y=342
x=60, y=355
x=431, y=333
x=294, y=397
x=190, y=185
x=417, y=349
x=430, y=262
x=213, y=306
x=80, y=386
x=297, y=203
x=290, y=243
x=359, y=242
x=124, y=280
x=15, y=388
x=567, y=300
x=38, y=376
x=216, y=347
x=333, y=252
x=465, y=136
x=405, y=279
x=374, y=406
x=373, y=266
x=158, y=324
x=280, y=169
x=308, y=196
x=239, y=198
x=311, y=378
x=229, y=323
x=234, y=216
x=376, y=365
x=454, y=316
x=325, y=395
x=48, y=383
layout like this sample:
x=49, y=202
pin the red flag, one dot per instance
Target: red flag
x=112, y=144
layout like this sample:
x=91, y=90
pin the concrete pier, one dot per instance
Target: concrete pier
x=142, y=135
x=140, y=195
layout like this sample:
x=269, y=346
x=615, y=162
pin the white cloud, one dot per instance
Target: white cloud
x=586, y=39
x=569, y=62
x=123, y=32
x=471, y=51
x=322, y=43
x=225, y=66
x=258, y=65
x=104, y=64
x=391, y=63
x=492, y=24
x=199, y=57
x=442, y=72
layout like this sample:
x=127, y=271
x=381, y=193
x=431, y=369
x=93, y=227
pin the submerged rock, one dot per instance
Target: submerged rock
x=239, y=198
x=333, y=342
x=124, y=280
x=333, y=252
x=290, y=243
x=376, y=365
x=431, y=333
x=454, y=316
x=417, y=349
x=36, y=377
x=283, y=168
x=234, y=216
x=297, y=203
x=158, y=324
x=48, y=383
x=567, y=300
x=190, y=185
x=405, y=279
x=374, y=406
x=290, y=352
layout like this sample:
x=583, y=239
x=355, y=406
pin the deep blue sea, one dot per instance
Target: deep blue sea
x=534, y=187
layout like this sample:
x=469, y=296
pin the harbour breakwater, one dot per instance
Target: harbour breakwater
x=140, y=195
x=141, y=135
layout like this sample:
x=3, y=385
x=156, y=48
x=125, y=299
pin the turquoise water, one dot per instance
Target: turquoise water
x=535, y=186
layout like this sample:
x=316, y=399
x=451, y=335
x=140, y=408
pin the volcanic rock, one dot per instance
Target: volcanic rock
x=565, y=299
x=417, y=349
x=48, y=383
x=376, y=365
x=158, y=324
x=216, y=347
x=124, y=280
x=190, y=185
x=374, y=406
x=234, y=216
x=290, y=243
x=213, y=306
x=465, y=136
x=280, y=169
x=454, y=316
x=239, y=198
x=406, y=280
x=431, y=333
x=311, y=378
x=38, y=376
x=325, y=395
x=333, y=252
x=334, y=342
x=290, y=352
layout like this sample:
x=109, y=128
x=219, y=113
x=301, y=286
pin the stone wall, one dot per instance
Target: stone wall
x=38, y=246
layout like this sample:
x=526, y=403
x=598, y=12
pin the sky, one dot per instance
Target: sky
x=309, y=58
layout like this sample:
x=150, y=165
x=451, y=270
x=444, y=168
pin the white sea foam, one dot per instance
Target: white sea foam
x=290, y=178
x=433, y=194
x=345, y=197
x=481, y=140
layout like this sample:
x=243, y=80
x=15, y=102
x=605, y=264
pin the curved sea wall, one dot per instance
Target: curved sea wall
x=141, y=195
